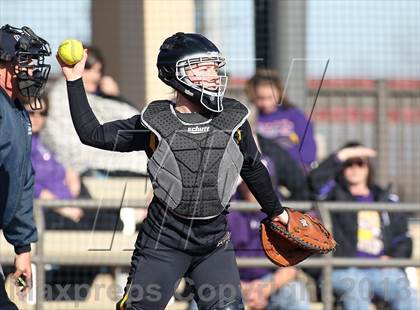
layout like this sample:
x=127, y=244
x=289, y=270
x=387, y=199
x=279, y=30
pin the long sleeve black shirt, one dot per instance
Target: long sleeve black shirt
x=131, y=135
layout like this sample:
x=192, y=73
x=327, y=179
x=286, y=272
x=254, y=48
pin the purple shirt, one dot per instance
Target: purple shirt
x=287, y=127
x=49, y=173
x=368, y=198
x=246, y=241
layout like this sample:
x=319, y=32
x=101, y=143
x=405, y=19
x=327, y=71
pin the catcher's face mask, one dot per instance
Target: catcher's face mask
x=205, y=74
x=26, y=52
x=194, y=66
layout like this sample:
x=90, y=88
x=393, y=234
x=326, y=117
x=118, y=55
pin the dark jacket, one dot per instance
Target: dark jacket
x=328, y=184
x=287, y=172
x=16, y=175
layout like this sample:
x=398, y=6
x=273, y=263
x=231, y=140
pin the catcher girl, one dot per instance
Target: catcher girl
x=197, y=146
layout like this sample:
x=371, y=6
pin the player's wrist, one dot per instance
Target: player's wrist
x=72, y=77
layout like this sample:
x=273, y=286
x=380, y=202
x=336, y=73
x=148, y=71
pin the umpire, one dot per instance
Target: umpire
x=23, y=75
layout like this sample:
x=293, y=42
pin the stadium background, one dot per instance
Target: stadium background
x=370, y=50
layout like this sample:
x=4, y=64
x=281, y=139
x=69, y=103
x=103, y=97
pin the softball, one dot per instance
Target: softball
x=70, y=51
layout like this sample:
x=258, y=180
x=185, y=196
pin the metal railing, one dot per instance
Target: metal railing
x=379, y=115
x=326, y=263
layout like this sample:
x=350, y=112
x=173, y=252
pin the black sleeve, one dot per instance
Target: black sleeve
x=248, y=146
x=288, y=173
x=256, y=175
x=399, y=244
x=120, y=135
x=320, y=177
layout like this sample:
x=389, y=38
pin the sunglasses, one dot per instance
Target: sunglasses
x=42, y=113
x=357, y=161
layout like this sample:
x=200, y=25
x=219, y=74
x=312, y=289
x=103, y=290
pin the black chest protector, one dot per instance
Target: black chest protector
x=195, y=167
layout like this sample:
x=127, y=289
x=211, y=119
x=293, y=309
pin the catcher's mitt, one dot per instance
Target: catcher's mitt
x=302, y=237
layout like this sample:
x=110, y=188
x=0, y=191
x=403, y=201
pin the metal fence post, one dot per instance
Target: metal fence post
x=287, y=48
x=327, y=290
x=39, y=256
x=382, y=132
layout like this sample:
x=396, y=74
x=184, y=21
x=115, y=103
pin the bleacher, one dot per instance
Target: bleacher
x=104, y=248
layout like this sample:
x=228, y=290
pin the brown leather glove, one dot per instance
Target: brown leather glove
x=303, y=236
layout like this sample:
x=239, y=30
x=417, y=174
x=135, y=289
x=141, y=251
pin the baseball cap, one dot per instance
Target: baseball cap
x=8, y=44
x=25, y=41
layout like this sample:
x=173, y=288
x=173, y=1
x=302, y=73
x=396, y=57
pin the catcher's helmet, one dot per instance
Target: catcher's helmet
x=26, y=51
x=180, y=53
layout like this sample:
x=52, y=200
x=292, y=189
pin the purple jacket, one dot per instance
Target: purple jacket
x=49, y=173
x=246, y=241
x=287, y=128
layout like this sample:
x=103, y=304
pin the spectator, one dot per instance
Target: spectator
x=52, y=180
x=263, y=288
x=348, y=176
x=95, y=81
x=284, y=171
x=60, y=136
x=279, y=119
